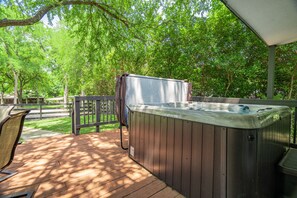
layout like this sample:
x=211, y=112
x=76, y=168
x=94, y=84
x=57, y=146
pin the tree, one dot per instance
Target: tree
x=286, y=71
x=24, y=59
x=67, y=62
x=200, y=41
x=222, y=56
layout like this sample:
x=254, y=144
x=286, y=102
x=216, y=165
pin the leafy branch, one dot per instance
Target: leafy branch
x=44, y=10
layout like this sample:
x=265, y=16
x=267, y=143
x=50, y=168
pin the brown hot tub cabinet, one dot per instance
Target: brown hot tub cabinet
x=211, y=149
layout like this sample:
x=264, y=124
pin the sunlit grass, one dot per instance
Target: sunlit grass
x=63, y=125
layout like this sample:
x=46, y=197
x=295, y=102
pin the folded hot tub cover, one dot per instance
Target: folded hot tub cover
x=134, y=89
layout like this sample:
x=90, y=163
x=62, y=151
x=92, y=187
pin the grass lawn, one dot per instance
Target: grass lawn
x=63, y=125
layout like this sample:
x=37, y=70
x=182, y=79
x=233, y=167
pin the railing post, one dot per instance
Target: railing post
x=294, y=126
x=73, y=119
x=69, y=106
x=97, y=110
x=72, y=122
x=76, y=116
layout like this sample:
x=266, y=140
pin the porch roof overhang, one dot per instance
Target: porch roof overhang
x=273, y=21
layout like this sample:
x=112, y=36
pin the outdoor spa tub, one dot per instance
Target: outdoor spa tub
x=211, y=149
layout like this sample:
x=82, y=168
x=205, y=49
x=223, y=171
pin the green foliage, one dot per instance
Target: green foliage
x=22, y=56
x=200, y=41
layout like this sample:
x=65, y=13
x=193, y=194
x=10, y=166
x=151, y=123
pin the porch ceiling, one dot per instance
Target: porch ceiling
x=273, y=21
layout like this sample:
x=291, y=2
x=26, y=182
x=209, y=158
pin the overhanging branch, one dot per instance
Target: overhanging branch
x=42, y=11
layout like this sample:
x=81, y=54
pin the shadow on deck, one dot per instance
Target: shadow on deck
x=91, y=165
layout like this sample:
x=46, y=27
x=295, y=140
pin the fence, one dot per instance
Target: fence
x=42, y=110
x=88, y=111
x=290, y=103
x=91, y=111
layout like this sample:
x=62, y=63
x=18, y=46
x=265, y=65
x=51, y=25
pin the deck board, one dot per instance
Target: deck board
x=91, y=165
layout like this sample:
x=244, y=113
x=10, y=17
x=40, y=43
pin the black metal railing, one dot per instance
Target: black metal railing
x=290, y=103
x=90, y=111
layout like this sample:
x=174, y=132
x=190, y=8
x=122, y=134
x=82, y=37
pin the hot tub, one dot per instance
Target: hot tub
x=211, y=149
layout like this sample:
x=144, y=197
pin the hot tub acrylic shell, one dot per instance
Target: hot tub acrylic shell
x=199, y=158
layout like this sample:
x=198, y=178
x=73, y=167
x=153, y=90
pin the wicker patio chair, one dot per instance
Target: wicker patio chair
x=11, y=127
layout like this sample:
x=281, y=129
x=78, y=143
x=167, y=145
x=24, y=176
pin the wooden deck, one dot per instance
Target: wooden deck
x=91, y=165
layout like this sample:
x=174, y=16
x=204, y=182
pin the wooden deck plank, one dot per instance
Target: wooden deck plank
x=91, y=165
x=128, y=189
x=166, y=193
x=149, y=190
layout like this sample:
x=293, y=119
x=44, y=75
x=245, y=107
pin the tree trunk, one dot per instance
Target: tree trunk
x=15, y=96
x=230, y=81
x=66, y=92
x=291, y=87
x=292, y=83
x=20, y=92
x=37, y=98
x=20, y=95
x=2, y=98
x=202, y=91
